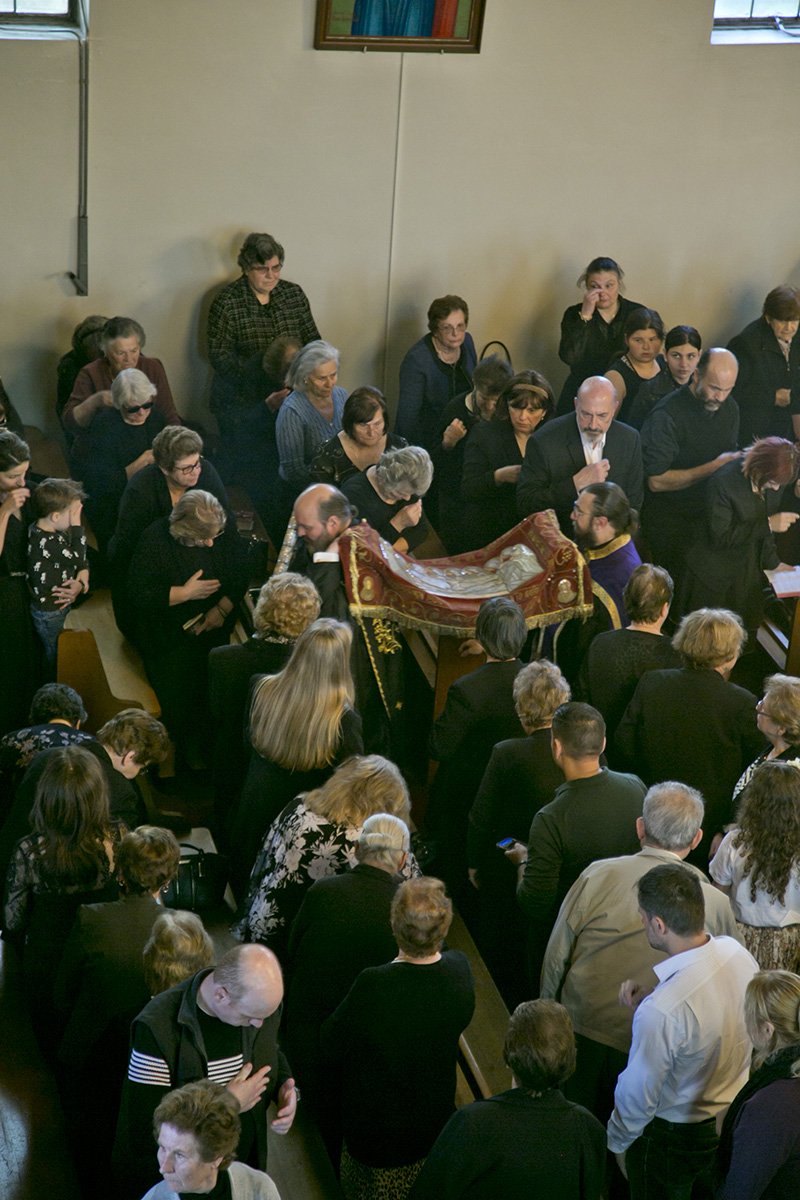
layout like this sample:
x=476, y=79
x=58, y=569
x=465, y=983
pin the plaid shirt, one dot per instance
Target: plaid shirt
x=239, y=327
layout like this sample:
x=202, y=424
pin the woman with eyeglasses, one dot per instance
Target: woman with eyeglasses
x=178, y=467
x=118, y=445
x=121, y=343
x=435, y=370
x=185, y=579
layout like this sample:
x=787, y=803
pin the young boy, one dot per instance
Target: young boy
x=58, y=568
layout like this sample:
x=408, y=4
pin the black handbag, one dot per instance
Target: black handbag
x=201, y=880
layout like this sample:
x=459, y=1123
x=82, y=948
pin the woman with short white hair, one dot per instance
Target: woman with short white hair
x=389, y=494
x=116, y=446
x=310, y=414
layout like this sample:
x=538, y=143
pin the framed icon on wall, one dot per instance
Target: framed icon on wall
x=433, y=26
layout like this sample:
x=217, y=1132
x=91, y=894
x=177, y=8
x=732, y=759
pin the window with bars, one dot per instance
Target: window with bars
x=42, y=17
x=756, y=21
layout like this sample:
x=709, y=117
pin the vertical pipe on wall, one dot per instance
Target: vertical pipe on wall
x=391, y=226
x=80, y=277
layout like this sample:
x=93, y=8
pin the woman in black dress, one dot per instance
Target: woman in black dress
x=395, y=1037
x=186, y=577
x=363, y=438
x=592, y=331
x=118, y=445
x=287, y=604
x=20, y=651
x=178, y=467
x=642, y=360
x=389, y=495
x=493, y=457
x=682, y=347
x=725, y=566
x=768, y=384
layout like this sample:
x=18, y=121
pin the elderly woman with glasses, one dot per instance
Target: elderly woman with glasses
x=435, y=370
x=246, y=318
x=361, y=441
x=118, y=444
x=178, y=466
x=389, y=495
x=186, y=576
x=121, y=344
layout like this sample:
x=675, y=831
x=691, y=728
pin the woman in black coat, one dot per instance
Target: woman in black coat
x=395, y=1036
x=118, y=445
x=493, y=456
x=520, y=779
x=726, y=563
x=592, y=332
x=187, y=575
x=768, y=384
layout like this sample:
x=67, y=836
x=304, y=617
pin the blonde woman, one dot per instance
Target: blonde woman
x=315, y=837
x=520, y=778
x=178, y=947
x=302, y=724
x=759, y=1148
x=287, y=604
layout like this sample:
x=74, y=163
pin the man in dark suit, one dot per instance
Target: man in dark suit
x=568, y=454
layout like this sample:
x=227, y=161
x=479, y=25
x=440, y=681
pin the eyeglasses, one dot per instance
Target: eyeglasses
x=195, y=466
x=452, y=328
x=134, y=408
x=760, y=708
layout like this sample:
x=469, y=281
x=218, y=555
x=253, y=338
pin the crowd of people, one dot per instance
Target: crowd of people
x=585, y=789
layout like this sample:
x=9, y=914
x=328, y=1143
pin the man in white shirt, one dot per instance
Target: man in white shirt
x=598, y=940
x=690, y=1053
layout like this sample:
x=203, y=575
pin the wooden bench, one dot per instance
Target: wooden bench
x=482, y=1069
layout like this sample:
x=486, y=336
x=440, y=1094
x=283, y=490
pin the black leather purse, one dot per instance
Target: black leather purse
x=201, y=880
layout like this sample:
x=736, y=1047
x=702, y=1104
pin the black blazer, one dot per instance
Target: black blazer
x=489, y=510
x=555, y=453
x=696, y=727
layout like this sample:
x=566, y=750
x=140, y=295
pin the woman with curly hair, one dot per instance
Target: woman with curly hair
x=314, y=837
x=758, y=866
x=778, y=718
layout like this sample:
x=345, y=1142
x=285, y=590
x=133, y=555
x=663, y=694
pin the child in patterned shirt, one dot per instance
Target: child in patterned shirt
x=58, y=569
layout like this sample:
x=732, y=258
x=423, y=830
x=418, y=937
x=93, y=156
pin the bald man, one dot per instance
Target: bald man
x=220, y=1024
x=321, y=513
x=688, y=436
x=588, y=446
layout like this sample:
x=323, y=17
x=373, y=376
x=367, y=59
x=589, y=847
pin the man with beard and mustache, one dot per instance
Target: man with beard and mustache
x=688, y=436
x=321, y=513
x=603, y=522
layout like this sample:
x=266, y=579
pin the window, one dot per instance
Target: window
x=739, y=21
x=43, y=18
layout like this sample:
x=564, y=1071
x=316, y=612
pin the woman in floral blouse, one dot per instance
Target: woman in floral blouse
x=316, y=836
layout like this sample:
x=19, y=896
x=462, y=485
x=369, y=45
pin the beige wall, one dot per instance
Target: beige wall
x=581, y=128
